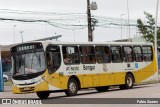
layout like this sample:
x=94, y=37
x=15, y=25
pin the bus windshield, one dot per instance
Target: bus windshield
x=28, y=63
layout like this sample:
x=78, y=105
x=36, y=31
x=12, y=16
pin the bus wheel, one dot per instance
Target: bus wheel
x=102, y=89
x=72, y=87
x=122, y=87
x=129, y=81
x=43, y=94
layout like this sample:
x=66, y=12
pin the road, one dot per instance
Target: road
x=140, y=92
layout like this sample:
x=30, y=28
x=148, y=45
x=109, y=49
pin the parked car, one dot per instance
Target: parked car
x=5, y=77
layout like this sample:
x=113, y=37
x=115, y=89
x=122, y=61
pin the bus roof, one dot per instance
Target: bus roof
x=95, y=43
x=46, y=43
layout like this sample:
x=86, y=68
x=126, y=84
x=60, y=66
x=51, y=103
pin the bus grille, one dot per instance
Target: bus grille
x=27, y=84
x=27, y=89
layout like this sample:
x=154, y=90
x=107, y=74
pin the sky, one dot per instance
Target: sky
x=70, y=12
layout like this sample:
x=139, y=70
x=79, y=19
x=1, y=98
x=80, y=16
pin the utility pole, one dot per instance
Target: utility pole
x=91, y=22
x=121, y=24
x=128, y=22
x=90, y=38
x=21, y=35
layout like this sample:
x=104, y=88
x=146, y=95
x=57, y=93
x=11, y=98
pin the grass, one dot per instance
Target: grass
x=8, y=83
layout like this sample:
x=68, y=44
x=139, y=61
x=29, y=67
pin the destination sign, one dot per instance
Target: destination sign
x=26, y=47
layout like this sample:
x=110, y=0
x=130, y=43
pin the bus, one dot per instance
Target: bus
x=44, y=67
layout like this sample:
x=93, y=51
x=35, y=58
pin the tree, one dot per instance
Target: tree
x=147, y=30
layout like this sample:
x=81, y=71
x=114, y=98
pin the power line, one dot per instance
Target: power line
x=70, y=21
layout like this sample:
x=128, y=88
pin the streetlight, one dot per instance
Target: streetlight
x=14, y=32
x=92, y=6
x=121, y=24
x=155, y=39
x=128, y=22
x=21, y=35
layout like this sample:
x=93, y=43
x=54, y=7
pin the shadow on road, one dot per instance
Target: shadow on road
x=87, y=92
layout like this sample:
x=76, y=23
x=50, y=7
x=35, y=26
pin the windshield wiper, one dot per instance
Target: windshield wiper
x=32, y=61
x=39, y=59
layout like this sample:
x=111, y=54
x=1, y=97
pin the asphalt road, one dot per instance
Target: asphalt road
x=139, y=92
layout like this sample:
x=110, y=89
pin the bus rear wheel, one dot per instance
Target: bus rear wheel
x=122, y=87
x=102, y=89
x=129, y=81
x=43, y=94
x=72, y=87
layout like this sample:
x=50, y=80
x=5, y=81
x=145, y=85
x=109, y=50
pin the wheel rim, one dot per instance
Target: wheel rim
x=129, y=81
x=72, y=87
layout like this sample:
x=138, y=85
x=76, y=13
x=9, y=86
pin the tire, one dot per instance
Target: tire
x=129, y=81
x=72, y=87
x=102, y=89
x=122, y=87
x=43, y=94
x=5, y=79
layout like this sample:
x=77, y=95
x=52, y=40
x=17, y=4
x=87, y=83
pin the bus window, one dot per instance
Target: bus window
x=147, y=53
x=116, y=54
x=102, y=54
x=53, y=58
x=137, y=53
x=87, y=54
x=128, y=54
x=70, y=55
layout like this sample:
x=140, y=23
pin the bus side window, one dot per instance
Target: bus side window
x=70, y=55
x=147, y=53
x=102, y=54
x=116, y=54
x=128, y=54
x=138, y=54
x=87, y=54
x=107, y=54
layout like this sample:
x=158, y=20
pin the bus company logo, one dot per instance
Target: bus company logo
x=136, y=65
x=6, y=101
x=105, y=68
x=90, y=68
x=72, y=68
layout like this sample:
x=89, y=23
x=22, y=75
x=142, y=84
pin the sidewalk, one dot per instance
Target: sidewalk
x=8, y=94
x=7, y=88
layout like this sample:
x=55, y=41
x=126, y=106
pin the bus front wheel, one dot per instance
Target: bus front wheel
x=43, y=94
x=72, y=87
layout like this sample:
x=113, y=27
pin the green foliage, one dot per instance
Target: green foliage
x=147, y=30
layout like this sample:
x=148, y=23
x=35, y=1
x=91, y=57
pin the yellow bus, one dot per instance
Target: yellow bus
x=44, y=67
